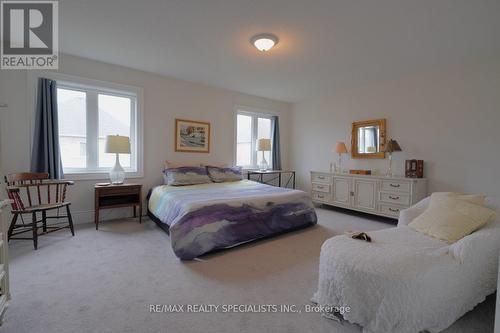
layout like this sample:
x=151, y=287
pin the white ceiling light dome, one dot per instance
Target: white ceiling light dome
x=264, y=42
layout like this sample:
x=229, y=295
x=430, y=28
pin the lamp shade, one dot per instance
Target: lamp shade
x=264, y=145
x=117, y=144
x=340, y=148
x=392, y=146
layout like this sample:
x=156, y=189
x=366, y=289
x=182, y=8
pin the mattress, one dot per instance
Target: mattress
x=207, y=217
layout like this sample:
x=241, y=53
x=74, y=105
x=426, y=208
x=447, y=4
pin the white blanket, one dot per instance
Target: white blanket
x=405, y=281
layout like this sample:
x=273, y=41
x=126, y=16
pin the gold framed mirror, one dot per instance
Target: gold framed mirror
x=368, y=139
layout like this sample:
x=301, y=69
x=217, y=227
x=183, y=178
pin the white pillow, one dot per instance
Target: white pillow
x=450, y=218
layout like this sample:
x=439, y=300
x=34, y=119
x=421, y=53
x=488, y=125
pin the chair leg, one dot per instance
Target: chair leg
x=44, y=221
x=70, y=220
x=12, y=225
x=35, y=232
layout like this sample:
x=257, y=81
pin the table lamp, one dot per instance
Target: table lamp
x=340, y=149
x=264, y=145
x=116, y=144
x=391, y=147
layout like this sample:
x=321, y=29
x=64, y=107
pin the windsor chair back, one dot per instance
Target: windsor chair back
x=34, y=193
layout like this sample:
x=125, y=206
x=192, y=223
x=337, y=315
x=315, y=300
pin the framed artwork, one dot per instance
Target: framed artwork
x=192, y=136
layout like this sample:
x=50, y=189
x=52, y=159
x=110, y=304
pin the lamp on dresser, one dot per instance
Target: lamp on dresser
x=391, y=147
x=340, y=149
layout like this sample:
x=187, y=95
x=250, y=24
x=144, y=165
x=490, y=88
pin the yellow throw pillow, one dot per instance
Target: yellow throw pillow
x=449, y=218
x=477, y=199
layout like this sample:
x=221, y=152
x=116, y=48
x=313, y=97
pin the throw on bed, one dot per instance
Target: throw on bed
x=206, y=217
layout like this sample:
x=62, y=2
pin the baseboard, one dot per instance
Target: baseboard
x=86, y=216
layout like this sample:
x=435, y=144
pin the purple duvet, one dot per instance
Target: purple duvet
x=206, y=217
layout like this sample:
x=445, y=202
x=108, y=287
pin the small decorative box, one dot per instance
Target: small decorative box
x=360, y=172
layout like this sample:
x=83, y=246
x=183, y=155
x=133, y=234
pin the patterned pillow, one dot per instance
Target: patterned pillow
x=219, y=175
x=186, y=176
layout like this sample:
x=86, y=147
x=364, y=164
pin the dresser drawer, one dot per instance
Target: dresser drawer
x=391, y=210
x=321, y=178
x=321, y=187
x=397, y=198
x=320, y=196
x=395, y=185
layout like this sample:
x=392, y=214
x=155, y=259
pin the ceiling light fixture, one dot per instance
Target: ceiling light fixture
x=264, y=42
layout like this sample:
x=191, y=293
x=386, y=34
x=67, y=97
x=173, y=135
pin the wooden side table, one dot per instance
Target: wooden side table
x=114, y=196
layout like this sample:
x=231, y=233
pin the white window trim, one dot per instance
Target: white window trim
x=251, y=111
x=79, y=82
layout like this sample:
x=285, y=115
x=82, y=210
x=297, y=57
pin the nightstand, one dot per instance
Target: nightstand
x=115, y=196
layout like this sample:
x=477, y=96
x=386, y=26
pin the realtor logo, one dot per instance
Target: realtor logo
x=29, y=35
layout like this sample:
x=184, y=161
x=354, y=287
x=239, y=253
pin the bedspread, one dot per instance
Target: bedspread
x=206, y=217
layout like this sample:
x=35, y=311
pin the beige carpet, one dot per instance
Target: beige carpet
x=105, y=281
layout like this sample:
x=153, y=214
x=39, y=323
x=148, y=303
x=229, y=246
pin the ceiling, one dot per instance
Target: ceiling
x=324, y=44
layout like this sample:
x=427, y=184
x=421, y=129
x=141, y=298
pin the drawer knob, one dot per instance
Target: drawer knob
x=394, y=210
x=393, y=198
x=321, y=177
x=395, y=185
x=320, y=196
x=320, y=187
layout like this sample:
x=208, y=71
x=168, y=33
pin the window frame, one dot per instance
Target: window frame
x=255, y=114
x=96, y=87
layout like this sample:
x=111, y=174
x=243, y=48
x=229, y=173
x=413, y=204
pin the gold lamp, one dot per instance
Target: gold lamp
x=391, y=147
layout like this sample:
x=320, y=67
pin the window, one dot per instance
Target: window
x=115, y=117
x=72, y=114
x=250, y=127
x=87, y=114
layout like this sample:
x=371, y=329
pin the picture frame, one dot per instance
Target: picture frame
x=360, y=129
x=192, y=136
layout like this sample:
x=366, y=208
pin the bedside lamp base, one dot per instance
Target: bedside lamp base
x=117, y=174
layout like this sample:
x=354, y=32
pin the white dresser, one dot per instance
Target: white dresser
x=4, y=265
x=379, y=195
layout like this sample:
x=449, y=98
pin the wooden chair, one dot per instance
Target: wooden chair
x=33, y=193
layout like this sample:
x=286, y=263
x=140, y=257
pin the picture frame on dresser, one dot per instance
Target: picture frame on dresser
x=377, y=195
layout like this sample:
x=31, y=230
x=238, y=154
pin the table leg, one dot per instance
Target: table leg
x=279, y=179
x=135, y=215
x=96, y=208
x=140, y=212
x=96, y=218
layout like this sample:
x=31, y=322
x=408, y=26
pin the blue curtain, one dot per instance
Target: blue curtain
x=275, y=139
x=46, y=155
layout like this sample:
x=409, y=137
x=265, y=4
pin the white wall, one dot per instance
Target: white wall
x=164, y=100
x=450, y=118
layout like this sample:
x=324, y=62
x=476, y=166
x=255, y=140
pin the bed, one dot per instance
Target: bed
x=207, y=217
x=405, y=281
